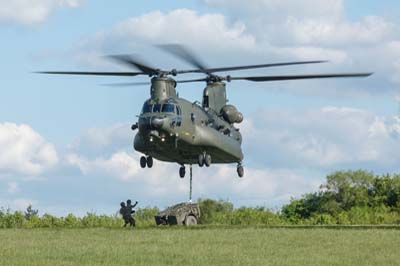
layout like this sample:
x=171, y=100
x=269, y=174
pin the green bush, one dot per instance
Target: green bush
x=349, y=197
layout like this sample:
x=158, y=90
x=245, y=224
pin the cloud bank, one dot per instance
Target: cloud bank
x=269, y=31
x=24, y=151
x=32, y=11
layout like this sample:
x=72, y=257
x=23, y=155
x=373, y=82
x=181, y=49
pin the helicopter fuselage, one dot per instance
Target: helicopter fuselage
x=176, y=130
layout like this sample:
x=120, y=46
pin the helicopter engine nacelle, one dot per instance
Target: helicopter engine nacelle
x=231, y=114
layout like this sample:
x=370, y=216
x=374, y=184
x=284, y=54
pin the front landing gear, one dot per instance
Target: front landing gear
x=146, y=161
x=240, y=170
x=182, y=171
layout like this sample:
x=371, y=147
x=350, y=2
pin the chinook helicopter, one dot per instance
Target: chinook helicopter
x=173, y=129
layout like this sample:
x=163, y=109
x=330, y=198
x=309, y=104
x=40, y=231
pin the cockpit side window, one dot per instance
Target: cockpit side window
x=168, y=108
x=157, y=108
x=178, y=110
x=205, y=101
x=147, y=108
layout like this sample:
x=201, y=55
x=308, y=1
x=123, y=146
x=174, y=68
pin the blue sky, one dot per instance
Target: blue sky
x=67, y=144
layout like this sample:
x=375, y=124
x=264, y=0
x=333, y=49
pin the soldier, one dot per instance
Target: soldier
x=130, y=211
x=123, y=212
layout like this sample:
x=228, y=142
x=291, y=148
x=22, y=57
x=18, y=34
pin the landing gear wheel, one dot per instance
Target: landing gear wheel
x=201, y=160
x=190, y=220
x=182, y=172
x=149, y=162
x=143, y=162
x=240, y=171
x=207, y=160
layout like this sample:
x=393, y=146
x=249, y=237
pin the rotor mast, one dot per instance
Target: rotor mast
x=162, y=88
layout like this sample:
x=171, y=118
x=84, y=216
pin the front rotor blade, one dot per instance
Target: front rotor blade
x=184, y=54
x=127, y=84
x=130, y=61
x=129, y=74
x=296, y=77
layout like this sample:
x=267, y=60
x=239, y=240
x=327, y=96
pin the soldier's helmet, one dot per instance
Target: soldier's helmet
x=122, y=204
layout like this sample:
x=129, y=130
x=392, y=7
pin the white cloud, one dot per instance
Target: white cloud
x=19, y=204
x=307, y=22
x=266, y=31
x=105, y=140
x=13, y=187
x=328, y=138
x=125, y=167
x=277, y=10
x=32, y=11
x=369, y=31
x=185, y=26
x=24, y=151
x=22, y=204
x=210, y=33
x=264, y=185
x=271, y=186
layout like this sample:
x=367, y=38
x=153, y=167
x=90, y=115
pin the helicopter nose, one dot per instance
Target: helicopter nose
x=156, y=122
x=146, y=124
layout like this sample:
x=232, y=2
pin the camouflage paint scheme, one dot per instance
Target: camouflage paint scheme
x=181, y=136
x=180, y=214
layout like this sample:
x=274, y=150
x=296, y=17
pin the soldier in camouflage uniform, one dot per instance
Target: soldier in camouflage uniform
x=126, y=211
x=130, y=211
x=123, y=212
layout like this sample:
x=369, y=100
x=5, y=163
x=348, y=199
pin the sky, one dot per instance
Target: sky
x=66, y=143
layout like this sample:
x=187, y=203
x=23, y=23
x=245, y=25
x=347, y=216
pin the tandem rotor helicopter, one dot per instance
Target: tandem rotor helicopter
x=173, y=129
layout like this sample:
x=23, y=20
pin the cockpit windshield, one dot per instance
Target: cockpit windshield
x=157, y=108
x=147, y=108
x=168, y=108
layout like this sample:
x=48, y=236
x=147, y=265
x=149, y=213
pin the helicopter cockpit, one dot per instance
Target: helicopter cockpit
x=161, y=108
x=169, y=109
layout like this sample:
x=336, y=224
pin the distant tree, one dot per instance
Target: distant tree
x=30, y=212
x=349, y=197
x=213, y=211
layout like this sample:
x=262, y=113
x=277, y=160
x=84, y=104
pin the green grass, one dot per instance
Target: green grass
x=204, y=246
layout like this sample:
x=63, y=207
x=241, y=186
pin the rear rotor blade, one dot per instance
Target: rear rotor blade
x=296, y=77
x=222, y=69
x=184, y=54
x=129, y=74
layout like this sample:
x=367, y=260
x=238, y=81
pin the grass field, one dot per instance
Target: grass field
x=204, y=246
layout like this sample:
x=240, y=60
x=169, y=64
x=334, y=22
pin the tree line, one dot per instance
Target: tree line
x=346, y=198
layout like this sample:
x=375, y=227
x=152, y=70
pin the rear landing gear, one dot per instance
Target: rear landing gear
x=204, y=159
x=143, y=162
x=240, y=170
x=146, y=162
x=207, y=160
x=201, y=160
x=149, y=162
